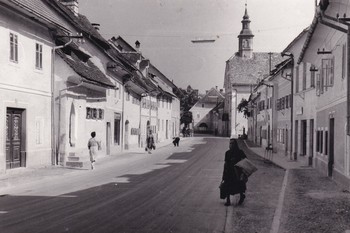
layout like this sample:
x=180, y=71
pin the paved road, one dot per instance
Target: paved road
x=162, y=192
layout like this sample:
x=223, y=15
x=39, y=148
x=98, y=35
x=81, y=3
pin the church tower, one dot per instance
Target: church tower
x=245, y=38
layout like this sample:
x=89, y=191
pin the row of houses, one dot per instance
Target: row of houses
x=61, y=80
x=298, y=101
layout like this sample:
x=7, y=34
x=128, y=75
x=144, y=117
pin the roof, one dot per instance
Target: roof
x=245, y=71
x=308, y=38
x=212, y=96
x=220, y=105
x=41, y=10
x=280, y=67
x=86, y=70
x=320, y=17
x=291, y=44
x=80, y=22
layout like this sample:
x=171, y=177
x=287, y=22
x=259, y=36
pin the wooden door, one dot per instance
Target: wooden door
x=14, y=139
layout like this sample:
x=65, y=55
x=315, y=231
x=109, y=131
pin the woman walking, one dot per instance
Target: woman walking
x=93, y=146
x=233, y=178
x=150, y=142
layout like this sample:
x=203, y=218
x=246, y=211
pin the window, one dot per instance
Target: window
x=88, y=113
x=327, y=72
x=117, y=118
x=38, y=56
x=13, y=47
x=317, y=141
x=297, y=79
x=326, y=143
x=321, y=141
x=318, y=85
x=312, y=77
x=94, y=113
x=202, y=105
x=304, y=76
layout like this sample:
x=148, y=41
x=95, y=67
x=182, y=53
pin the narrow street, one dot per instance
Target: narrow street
x=161, y=192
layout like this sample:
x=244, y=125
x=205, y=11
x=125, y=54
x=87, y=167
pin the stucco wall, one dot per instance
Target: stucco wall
x=25, y=87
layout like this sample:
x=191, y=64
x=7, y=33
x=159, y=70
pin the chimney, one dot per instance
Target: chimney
x=216, y=87
x=137, y=45
x=72, y=5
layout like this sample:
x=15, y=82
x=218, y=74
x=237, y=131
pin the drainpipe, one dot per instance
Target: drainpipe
x=234, y=123
x=123, y=120
x=54, y=158
x=292, y=109
x=292, y=156
x=59, y=119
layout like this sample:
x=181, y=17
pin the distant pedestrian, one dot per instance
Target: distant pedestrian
x=93, y=146
x=176, y=141
x=150, y=142
x=233, y=178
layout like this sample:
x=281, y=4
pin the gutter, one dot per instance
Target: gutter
x=54, y=157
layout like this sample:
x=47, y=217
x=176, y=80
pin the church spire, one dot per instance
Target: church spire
x=245, y=38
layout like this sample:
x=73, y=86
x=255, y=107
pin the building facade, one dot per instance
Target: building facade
x=202, y=122
x=243, y=71
x=64, y=80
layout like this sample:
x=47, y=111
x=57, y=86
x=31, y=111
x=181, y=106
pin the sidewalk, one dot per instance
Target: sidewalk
x=278, y=159
x=20, y=176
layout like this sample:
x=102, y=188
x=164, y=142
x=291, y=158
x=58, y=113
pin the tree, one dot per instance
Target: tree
x=243, y=107
x=188, y=99
x=186, y=118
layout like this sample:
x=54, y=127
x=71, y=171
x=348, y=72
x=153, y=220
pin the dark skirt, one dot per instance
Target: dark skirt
x=236, y=187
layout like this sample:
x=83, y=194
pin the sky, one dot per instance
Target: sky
x=165, y=29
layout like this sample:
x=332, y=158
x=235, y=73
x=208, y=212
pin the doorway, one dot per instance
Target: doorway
x=15, y=138
x=286, y=141
x=167, y=129
x=296, y=132
x=126, y=136
x=331, y=147
x=311, y=142
x=303, y=137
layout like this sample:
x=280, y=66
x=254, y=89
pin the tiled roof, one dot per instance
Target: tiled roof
x=87, y=69
x=40, y=8
x=80, y=22
x=248, y=71
x=213, y=96
x=290, y=45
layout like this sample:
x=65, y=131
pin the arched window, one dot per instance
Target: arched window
x=72, y=126
x=203, y=127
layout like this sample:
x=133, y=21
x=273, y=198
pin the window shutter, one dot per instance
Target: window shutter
x=296, y=79
x=318, y=85
x=331, y=78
